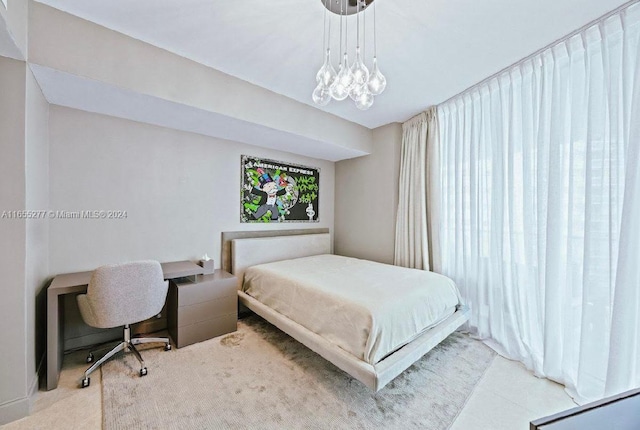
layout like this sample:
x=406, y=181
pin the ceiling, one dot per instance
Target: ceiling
x=429, y=50
x=8, y=47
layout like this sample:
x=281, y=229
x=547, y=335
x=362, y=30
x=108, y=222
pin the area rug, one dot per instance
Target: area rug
x=260, y=378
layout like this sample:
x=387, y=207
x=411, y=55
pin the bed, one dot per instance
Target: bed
x=369, y=319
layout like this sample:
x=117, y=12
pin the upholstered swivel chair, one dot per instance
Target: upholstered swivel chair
x=119, y=295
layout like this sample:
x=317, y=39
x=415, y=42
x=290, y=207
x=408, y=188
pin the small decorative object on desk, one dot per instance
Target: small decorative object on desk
x=207, y=264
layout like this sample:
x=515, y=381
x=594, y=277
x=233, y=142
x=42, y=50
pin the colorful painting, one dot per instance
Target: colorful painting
x=273, y=191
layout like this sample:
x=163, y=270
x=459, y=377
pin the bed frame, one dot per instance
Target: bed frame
x=246, y=252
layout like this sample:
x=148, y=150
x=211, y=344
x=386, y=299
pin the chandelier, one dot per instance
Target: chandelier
x=354, y=80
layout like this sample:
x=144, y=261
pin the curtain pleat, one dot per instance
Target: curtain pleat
x=624, y=354
x=418, y=185
x=539, y=208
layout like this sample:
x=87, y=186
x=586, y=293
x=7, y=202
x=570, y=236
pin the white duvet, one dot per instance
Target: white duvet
x=368, y=309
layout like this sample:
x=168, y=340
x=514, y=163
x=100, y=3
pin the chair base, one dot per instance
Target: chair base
x=128, y=344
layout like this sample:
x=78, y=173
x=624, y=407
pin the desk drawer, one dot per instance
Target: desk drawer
x=204, y=330
x=206, y=289
x=198, y=312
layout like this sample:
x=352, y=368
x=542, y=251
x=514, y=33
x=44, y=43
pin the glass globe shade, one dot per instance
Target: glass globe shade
x=364, y=101
x=321, y=95
x=377, y=81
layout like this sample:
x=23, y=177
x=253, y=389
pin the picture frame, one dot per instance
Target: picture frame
x=277, y=191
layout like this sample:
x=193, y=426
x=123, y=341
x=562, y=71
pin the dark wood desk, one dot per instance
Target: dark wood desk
x=70, y=283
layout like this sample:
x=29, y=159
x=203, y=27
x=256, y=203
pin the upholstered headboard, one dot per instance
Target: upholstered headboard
x=250, y=252
x=228, y=236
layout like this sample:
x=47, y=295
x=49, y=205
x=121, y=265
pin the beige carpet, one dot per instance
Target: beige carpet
x=260, y=378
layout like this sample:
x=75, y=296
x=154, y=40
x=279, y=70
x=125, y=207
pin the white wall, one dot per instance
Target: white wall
x=180, y=191
x=13, y=390
x=37, y=230
x=23, y=243
x=367, y=199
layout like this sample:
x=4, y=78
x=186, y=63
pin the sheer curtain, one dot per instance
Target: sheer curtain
x=418, y=194
x=624, y=355
x=537, y=228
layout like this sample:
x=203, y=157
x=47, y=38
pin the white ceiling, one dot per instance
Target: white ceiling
x=8, y=47
x=429, y=50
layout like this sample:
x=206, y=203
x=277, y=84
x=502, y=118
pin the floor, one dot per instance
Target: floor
x=507, y=397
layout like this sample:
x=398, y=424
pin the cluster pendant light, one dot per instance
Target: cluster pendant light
x=353, y=81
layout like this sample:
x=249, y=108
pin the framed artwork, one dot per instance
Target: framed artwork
x=275, y=191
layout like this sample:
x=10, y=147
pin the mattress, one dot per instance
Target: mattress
x=368, y=309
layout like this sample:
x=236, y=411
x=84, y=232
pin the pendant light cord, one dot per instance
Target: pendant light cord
x=324, y=30
x=346, y=28
x=329, y=35
x=341, y=24
x=375, y=43
x=358, y=24
x=364, y=31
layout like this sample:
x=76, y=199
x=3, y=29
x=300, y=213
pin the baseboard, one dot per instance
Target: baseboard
x=35, y=383
x=21, y=408
x=14, y=410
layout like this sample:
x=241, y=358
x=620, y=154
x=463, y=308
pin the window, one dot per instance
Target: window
x=533, y=167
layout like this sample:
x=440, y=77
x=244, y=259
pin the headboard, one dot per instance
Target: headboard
x=252, y=251
x=228, y=236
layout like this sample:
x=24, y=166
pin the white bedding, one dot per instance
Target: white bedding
x=368, y=309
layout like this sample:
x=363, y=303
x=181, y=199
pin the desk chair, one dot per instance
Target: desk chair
x=119, y=295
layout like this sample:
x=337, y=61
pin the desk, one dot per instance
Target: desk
x=70, y=283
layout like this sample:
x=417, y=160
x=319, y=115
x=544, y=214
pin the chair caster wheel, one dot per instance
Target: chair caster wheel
x=90, y=358
x=85, y=383
x=143, y=371
x=167, y=347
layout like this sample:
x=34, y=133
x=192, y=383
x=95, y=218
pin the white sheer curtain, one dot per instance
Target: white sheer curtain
x=418, y=194
x=533, y=208
x=624, y=355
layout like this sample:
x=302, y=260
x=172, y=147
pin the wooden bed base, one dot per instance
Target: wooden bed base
x=373, y=376
x=246, y=250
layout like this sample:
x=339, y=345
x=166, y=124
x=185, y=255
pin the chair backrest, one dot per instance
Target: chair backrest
x=127, y=293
